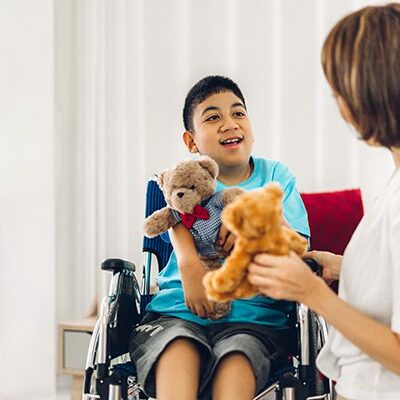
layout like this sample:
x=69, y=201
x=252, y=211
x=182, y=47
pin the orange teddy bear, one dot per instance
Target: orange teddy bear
x=255, y=217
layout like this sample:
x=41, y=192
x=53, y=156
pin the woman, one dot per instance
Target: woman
x=361, y=61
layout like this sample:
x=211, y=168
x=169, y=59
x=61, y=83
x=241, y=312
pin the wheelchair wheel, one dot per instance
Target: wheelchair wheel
x=318, y=383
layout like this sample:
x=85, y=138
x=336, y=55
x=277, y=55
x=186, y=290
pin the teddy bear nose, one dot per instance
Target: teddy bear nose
x=180, y=194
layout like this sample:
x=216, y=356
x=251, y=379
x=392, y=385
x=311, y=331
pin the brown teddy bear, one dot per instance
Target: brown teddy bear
x=189, y=191
x=255, y=217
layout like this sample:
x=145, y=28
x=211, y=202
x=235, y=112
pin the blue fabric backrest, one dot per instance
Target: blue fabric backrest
x=158, y=246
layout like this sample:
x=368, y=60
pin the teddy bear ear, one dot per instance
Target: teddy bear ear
x=209, y=165
x=232, y=217
x=238, y=218
x=160, y=179
x=274, y=188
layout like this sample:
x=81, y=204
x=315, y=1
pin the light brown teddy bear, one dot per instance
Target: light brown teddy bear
x=255, y=217
x=189, y=191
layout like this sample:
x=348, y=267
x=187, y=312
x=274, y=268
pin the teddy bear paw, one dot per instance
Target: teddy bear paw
x=222, y=284
x=221, y=310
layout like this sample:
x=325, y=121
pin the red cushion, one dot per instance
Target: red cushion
x=333, y=217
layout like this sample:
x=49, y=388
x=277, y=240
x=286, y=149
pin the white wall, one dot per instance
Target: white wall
x=272, y=49
x=27, y=240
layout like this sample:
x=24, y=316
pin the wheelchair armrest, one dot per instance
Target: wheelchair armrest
x=117, y=265
x=314, y=266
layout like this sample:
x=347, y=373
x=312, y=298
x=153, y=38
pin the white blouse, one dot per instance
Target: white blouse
x=370, y=282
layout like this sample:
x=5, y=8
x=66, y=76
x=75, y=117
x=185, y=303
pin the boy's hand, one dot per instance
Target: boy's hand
x=226, y=241
x=194, y=291
x=191, y=270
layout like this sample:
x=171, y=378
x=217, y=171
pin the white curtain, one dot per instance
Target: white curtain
x=27, y=204
x=123, y=69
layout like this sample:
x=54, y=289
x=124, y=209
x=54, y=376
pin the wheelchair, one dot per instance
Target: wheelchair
x=109, y=372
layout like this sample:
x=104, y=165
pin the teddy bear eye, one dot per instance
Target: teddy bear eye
x=192, y=187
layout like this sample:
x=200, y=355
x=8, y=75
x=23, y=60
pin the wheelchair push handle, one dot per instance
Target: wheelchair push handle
x=117, y=265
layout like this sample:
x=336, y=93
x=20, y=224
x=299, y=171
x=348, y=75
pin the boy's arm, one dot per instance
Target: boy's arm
x=192, y=271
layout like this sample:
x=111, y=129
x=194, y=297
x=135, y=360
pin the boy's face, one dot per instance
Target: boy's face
x=222, y=130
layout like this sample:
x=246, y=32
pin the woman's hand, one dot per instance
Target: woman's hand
x=331, y=263
x=192, y=271
x=226, y=241
x=284, y=277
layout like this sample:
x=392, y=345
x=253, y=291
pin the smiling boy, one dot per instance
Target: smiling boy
x=178, y=352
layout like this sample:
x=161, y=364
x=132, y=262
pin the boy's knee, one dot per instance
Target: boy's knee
x=236, y=359
x=181, y=350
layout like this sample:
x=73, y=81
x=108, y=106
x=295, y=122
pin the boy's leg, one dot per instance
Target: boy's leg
x=178, y=371
x=244, y=355
x=234, y=378
x=170, y=354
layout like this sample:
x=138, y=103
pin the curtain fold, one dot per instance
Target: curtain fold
x=110, y=139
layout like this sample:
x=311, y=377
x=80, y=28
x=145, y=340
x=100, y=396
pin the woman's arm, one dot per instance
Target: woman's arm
x=290, y=278
x=192, y=271
x=372, y=337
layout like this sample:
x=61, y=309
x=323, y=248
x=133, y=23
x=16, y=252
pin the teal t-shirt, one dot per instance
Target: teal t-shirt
x=259, y=309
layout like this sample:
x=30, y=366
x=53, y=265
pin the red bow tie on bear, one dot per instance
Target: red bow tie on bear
x=199, y=212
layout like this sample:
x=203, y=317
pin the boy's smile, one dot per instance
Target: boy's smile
x=222, y=131
x=232, y=142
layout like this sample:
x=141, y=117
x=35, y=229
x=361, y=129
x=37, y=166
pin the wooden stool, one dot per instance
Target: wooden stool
x=73, y=343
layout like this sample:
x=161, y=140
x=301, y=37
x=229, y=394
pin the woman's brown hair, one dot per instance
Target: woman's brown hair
x=361, y=61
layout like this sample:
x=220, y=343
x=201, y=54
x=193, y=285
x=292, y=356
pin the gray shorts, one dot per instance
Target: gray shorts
x=265, y=348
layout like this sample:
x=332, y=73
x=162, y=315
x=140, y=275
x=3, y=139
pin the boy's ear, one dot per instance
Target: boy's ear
x=189, y=141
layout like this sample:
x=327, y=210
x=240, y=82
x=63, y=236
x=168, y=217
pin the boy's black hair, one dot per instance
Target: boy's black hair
x=202, y=90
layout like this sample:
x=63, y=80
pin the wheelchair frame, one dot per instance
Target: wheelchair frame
x=111, y=375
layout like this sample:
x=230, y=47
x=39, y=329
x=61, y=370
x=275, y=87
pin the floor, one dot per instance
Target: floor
x=64, y=385
x=64, y=395
x=61, y=395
